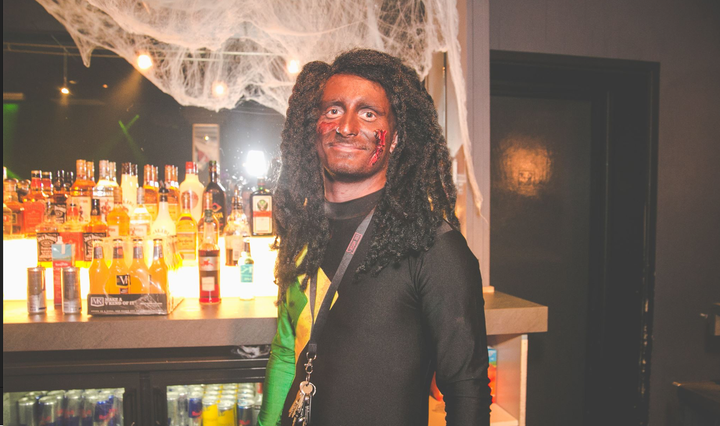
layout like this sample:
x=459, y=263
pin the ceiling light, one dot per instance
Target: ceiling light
x=144, y=62
x=219, y=89
x=293, y=66
x=65, y=91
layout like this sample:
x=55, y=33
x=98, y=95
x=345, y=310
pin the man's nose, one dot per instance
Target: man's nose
x=348, y=125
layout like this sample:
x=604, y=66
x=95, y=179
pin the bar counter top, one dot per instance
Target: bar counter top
x=230, y=323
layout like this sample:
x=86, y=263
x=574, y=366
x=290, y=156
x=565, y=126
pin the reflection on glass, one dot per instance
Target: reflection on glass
x=526, y=164
x=217, y=404
x=64, y=407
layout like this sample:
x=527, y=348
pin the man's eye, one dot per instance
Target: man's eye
x=332, y=112
x=368, y=114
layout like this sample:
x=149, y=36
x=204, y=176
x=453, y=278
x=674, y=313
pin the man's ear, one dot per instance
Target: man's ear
x=394, y=142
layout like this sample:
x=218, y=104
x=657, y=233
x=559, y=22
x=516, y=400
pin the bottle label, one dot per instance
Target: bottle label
x=84, y=205
x=89, y=239
x=209, y=263
x=123, y=283
x=34, y=212
x=236, y=245
x=77, y=240
x=246, y=273
x=113, y=230
x=60, y=210
x=262, y=214
x=139, y=230
x=187, y=243
x=107, y=203
x=207, y=283
x=45, y=240
x=71, y=306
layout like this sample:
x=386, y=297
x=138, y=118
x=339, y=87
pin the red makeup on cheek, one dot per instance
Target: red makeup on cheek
x=324, y=128
x=380, y=138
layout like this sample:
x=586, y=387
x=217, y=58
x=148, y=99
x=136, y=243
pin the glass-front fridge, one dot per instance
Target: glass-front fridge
x=228, y=404
x=69, y=407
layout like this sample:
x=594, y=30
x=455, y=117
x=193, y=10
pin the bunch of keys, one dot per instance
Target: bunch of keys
x=300, y=409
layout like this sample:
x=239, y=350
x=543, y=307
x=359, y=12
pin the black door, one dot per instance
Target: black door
x=573, y=166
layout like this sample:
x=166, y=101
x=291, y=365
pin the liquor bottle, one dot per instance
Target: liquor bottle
x=236, y=230
x=81, y=192
x=118, y=221
x=158, y=269
x=71, y=232
x=47, y=234
x=209, y=260
x=94, y=231
x=11, y=201
x=90, y=170
x=164, y=225
x=98, y=271
x=187, y=233
x=151, y=190
x=118, y=281
x=7, y=220
x=247, y=266
x=194, y=188
x=208, y=205
x=139, y=272
x=140, y=220
x=47, y=184
x=128, y=186
x=105, y=190
x=59, y=197
x=218, y=194
x=261, y=202
x=172, y=189
x=35, y=203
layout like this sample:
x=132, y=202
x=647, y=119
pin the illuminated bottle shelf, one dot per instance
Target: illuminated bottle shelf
x=20, y=254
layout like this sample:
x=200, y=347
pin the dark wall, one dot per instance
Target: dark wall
x=114, y=113
x=685, y=38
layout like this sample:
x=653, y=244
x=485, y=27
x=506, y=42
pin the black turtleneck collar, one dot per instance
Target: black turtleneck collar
x=353, y=208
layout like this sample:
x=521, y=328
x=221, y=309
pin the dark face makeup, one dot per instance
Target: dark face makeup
x=355, y=121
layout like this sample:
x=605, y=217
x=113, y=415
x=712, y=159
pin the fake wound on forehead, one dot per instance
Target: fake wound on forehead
x=380, y=139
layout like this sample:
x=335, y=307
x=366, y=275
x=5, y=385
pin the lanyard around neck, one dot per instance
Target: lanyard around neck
x=319, y=324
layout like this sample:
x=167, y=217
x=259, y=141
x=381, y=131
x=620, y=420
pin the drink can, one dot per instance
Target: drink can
x=103, y=408
x=250, y=386
x=244, y=412
x=48, y=411
x=213, y=387
x=71, y=290
x=226, y=413
x=73, y=409
x=36, y=394
x=26, y=411
x=209, y=411
x=90, y=403
x=256, y=408
x=173, y=410
x=195, y=408
x=213, y=393
x=248, y=393
x=119, y=417
x=60, y=408
x=182, y=405
x=36, y=290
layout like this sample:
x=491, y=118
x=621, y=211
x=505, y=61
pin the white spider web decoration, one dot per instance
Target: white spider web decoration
x=245, y=45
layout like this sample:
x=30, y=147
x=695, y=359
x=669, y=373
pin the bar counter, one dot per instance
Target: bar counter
x=230, y=323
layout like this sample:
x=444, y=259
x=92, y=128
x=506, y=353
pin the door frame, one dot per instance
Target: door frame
x=623, y=200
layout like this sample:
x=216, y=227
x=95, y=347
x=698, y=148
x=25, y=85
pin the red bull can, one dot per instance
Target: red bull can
x=48, y=411
x=73, y=408
x=27, y=412
x=195, y=408
x=244, y=412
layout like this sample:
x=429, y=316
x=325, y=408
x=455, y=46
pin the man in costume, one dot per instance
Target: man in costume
x=362, y=144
